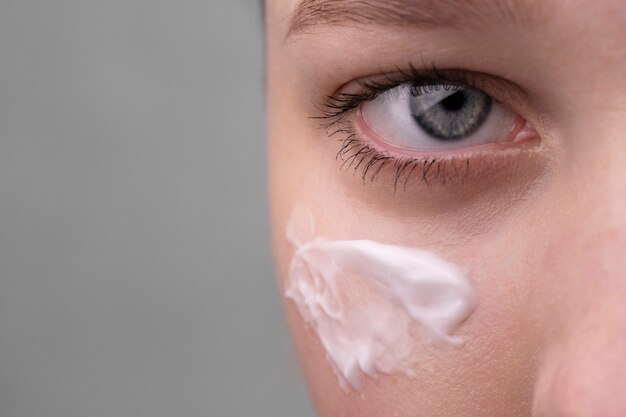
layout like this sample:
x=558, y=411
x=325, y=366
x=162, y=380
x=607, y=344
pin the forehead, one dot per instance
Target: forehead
x=306, y=11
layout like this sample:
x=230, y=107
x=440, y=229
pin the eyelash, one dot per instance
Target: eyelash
x=356, y=154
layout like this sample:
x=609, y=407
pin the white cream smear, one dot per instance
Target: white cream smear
x=368, y=302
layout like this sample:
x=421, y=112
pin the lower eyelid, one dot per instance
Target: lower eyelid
x=521, y=131
x=372, y=160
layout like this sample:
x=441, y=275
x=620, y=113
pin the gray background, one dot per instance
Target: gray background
x=135, y=277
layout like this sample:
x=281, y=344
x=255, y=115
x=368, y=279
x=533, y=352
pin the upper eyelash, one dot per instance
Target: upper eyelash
x=337, y=106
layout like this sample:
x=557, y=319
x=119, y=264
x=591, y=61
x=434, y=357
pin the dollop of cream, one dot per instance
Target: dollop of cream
x=368, y=302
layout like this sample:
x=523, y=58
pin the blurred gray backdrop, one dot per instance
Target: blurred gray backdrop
x=135, y=277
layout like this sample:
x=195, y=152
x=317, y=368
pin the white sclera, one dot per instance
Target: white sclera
x=368, y=301
x=389, y=116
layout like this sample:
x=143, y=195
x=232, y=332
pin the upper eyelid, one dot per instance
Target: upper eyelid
x=339, y=104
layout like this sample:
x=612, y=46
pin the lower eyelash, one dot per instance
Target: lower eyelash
x=358, y=156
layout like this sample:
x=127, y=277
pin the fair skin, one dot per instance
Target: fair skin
x=539, y=223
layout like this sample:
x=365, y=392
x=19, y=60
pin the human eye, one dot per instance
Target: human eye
x=439, y=116
x=416, y=119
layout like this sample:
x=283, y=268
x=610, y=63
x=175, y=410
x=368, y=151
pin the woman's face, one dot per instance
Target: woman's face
x=518, y=177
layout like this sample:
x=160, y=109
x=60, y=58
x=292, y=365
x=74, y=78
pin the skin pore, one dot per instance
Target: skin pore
x=538, y=223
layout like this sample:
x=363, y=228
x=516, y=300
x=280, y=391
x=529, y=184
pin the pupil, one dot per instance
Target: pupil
x=454, y=102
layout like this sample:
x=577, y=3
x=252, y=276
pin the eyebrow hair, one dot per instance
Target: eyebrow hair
x=420, y=13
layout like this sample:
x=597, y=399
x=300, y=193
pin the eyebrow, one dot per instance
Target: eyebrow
x=415, y=13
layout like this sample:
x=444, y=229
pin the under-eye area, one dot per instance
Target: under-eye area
x=369, y=303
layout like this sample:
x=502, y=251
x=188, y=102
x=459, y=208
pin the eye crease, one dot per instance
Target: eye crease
x=426, y=122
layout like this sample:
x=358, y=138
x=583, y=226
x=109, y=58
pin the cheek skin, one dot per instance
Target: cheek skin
x=492, y=371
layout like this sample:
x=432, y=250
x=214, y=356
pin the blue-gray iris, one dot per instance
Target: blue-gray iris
x=456, y=116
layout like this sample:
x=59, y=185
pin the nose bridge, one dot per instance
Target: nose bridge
x=583, y=372
x=612, y=156
x=603, y=225
x=592, y=248
x=593, y=251
x=597, y=178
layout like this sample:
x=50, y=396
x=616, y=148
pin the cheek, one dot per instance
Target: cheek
x=491, y=371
